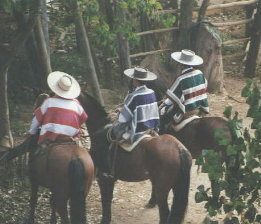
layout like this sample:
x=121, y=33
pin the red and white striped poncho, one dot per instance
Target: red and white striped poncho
x=58, y=117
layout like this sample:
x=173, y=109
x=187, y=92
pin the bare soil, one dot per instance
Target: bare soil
x=129, y=200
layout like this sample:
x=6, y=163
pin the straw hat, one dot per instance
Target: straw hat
x=63, y=85
x=187, y=57
x=140, y=74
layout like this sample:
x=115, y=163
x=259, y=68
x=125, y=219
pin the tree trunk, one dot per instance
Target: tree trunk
x=124, y=52
x=45, y=28
x=249, y=14
x=6, y=138
x=254, y=44
x=186, y=9
x=144, y=24
x=202, y=10
x=7, y=54
x=209, y=48
x=93, y=80
x=44, y=58
x=123, y=43
x=175, y=33
x=33, y=58
x=200, y=26
x=106, y=8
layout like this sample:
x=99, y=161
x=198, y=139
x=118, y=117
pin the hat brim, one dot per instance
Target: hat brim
x=197, y=60
x=72, y=93
x=130, y=73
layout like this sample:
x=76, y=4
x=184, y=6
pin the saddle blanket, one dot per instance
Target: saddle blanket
x=183, y=123
x=129, y=147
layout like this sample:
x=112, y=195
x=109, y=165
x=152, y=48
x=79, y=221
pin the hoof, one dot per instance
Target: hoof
x=151, y=204
x=105, y=221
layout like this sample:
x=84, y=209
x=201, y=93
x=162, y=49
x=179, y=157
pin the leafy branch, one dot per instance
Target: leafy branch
x=235, y=180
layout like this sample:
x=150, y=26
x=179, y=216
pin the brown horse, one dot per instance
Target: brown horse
x=162, y=159
x=68, y=171
x=199, y=134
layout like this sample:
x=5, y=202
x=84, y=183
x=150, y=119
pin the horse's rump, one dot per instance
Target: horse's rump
x=152, y=153
x=49, y=166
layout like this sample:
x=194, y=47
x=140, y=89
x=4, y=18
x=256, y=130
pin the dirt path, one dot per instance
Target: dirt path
x=129, y=201
x=130, y=198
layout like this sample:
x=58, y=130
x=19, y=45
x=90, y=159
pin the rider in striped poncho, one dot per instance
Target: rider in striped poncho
x=188, y=94
x=59, y=117
x=140, y=110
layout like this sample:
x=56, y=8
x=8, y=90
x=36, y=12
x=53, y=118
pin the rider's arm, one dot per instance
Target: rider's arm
x=34, y=126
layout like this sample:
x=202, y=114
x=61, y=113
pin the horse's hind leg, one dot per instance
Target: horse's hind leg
x=152, y=202
x=60, y=205
x=33, y=202
x=53, y=219
x=106, y=187
x=161, y=195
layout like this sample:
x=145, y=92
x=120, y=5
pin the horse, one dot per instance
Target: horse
x=67, y=170
x=63, y=167
x=162, y=159
x=199, y=134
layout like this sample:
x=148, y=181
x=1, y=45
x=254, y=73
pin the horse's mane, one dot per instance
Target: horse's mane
x=159, y=88
x=98, y=107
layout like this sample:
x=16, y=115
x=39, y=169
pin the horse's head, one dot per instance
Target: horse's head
x=40, y=99
x=97, y=116
x=159, y=88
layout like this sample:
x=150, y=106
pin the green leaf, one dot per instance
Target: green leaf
x=245, y=92
x=211, y=211
x=228, y=207
x=201, y=196
x=232, y=150
x=227, y=112
x=251, y=213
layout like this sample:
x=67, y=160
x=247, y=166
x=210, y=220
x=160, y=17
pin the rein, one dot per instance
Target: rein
x=114, y=143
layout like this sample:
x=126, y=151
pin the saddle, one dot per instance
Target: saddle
x=44, y=147
x=124, y=143
x=187, y=118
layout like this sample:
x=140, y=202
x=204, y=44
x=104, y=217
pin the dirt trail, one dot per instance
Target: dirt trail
x=130, y=198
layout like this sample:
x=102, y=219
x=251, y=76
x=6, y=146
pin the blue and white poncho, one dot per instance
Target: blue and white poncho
x=140, y=112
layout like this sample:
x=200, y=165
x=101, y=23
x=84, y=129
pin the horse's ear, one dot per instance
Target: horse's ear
x=40, y=99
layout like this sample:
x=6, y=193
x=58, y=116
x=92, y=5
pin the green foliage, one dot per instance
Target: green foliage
x=71, y=63
x=235, y=184
x=104, y=36
x=19, y=5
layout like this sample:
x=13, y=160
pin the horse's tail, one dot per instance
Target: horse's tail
x=181, y=190
x=77, y=181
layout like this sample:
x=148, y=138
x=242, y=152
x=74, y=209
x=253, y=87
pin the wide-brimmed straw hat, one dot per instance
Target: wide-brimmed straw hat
x=63, y=85
x=140, y=74
x=187, y=57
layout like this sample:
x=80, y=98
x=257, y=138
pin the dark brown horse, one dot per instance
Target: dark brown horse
x=162, y=159
x=199, y=134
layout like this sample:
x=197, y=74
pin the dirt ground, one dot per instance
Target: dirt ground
x=129, y=200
